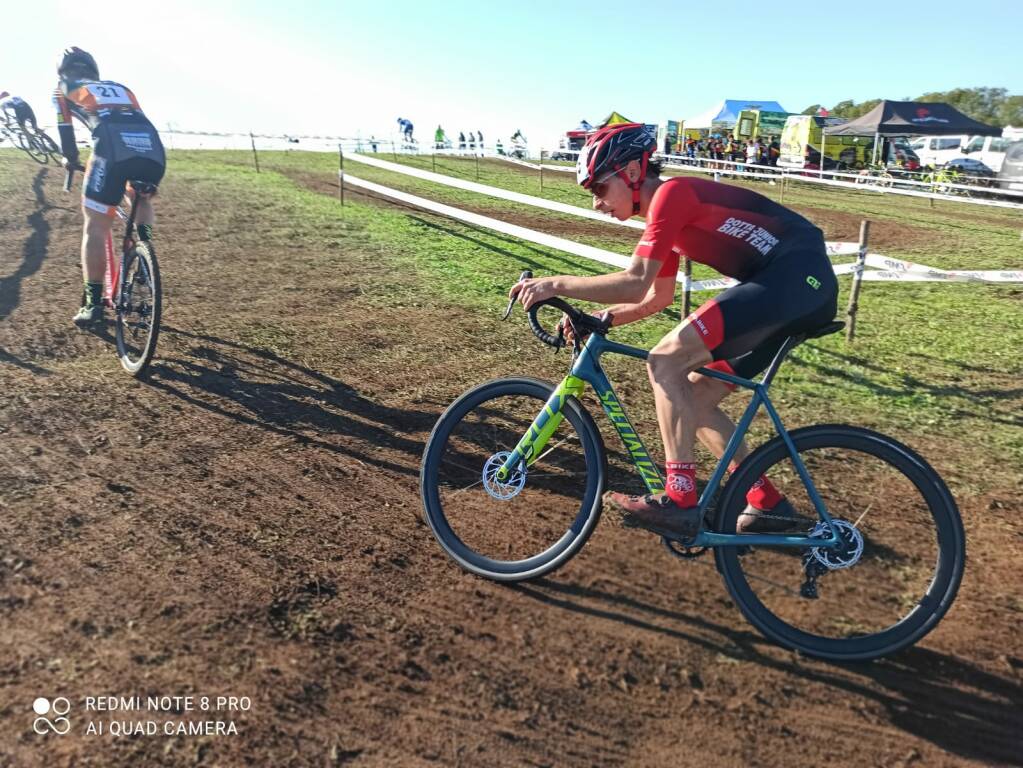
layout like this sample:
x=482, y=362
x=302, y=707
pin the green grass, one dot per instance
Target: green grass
x=932, y=362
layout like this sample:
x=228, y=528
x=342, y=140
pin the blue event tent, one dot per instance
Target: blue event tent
x=726, y=112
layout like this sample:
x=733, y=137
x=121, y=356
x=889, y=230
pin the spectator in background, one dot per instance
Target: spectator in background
x=373, y=144
x=439, y=138
x=773, y=152
x=479, y=138
x=472, y=141
x=753, y=152
x=461, y=141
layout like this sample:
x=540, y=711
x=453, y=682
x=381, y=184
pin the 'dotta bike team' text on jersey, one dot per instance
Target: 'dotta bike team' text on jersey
x=731, y=229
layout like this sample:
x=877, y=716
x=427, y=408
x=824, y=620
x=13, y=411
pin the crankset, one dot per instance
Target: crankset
x=681, y=551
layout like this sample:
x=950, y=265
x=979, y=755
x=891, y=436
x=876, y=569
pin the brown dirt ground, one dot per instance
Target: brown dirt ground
x=247, y=523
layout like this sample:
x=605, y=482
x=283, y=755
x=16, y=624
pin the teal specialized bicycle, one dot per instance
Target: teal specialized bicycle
x=514, y=470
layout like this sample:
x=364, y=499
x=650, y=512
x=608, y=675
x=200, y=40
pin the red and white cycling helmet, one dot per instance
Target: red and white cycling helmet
x=610, y=149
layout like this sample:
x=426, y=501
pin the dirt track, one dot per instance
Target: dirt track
x=247, y=523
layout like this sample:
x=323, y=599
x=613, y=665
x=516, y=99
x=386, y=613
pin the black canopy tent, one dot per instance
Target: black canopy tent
x=913, y=118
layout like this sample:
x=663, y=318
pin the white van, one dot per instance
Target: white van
x=990, y=150
x=938, y=150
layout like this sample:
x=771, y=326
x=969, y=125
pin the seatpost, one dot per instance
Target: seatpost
x=790, y=343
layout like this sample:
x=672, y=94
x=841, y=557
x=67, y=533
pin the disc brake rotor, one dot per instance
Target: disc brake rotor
x=846, y=554
x=503, y=490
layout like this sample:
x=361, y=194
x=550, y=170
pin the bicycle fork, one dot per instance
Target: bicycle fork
x=544, y=425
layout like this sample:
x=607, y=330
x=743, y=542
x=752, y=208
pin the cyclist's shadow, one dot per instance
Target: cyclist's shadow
x=935, y=696
x=257, y=387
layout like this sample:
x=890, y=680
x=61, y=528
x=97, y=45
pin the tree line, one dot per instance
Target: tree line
x=993, y=106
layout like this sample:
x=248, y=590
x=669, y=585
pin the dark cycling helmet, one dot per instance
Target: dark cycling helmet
x=76, y=59
x=610, y=149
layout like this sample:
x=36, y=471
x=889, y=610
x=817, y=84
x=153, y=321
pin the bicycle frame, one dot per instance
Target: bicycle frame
x=113, y=272
x=586, y=369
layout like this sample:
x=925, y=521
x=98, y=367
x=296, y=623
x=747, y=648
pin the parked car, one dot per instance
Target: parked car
x=989, y=150
x=935, y=151
x=900, y=155
x=1011, y=174
x=970, y=167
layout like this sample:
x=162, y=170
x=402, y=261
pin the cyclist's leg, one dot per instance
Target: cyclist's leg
x=756, y=317
x=102, y=189
x=28, y=116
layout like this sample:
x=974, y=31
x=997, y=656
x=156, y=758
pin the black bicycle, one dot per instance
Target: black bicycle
x=132, y=287
x=514, y=471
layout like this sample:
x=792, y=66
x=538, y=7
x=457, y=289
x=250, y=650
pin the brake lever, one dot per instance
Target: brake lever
x=526, y=274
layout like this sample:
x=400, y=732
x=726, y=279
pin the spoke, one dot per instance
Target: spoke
x=774, y=584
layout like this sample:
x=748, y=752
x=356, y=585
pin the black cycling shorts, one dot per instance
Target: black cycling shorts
x=796, y=292
x=121, y=152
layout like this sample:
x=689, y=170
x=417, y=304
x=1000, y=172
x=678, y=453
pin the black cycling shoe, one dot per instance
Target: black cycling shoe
x=782, y=518
x=658, y=514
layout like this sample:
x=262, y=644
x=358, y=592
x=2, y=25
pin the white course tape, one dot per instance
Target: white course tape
x=586, y=251
x=503, y=194
x=834, y=248
x=911, y=268
x=896, y=270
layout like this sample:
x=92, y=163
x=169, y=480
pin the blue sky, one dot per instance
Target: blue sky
x=354, y=67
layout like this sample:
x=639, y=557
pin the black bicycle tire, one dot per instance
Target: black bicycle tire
x=563, y=550
x=49, y=146
x=951, y=556
x=142, y=249
x=32, y=149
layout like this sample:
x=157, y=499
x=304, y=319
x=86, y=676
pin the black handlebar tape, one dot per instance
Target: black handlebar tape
x=538, y=330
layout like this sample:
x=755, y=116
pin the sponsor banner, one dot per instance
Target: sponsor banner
x=888, y=264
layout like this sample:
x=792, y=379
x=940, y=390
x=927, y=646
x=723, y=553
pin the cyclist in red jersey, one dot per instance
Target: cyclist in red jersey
x=786, y=286
x=125, y=147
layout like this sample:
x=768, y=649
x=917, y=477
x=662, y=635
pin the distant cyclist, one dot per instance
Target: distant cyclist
x=125, y=147
x=17, y=110
x=786, y=286
x=406, y=128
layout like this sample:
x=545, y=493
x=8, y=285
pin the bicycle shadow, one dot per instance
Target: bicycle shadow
x=259, y=388
x=921, y=690
x=33, y=252
x=11, y=359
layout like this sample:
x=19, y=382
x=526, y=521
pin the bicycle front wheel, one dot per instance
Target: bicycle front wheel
x=138, y=308
x=895, y=574
x=537, y=520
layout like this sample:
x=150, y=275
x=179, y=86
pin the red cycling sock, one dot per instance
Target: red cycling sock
x=681, y=485
x=763, y=495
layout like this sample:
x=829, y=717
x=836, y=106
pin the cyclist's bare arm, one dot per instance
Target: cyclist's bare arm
x=631, y=285
x=660, y=296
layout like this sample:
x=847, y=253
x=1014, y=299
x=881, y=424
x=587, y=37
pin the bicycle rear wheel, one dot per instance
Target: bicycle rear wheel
x=138, y=308
x=538, y=520
x=33, y=148
x=900, y=564
x=49, y=146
